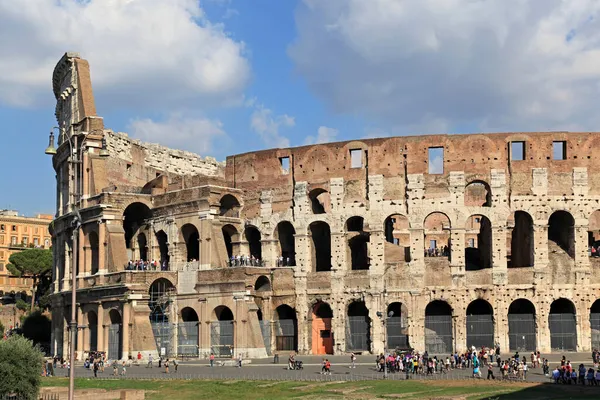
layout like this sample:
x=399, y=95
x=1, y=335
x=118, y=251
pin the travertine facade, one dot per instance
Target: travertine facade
x=467, y=239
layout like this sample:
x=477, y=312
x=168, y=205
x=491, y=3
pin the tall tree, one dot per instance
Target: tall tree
x=31, y=263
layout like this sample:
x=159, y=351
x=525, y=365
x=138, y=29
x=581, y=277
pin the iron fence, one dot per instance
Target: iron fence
x=480, y=331
x=595, y=325
x=358, y=336
x=163, y=337
x=221, y=338
x=438, y=334
x=265, y=328
x=521, y=332
x=285, y=334
x=563, y=331
x=187, y=339
x=397, y=337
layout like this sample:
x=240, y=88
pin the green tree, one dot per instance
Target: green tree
x=22, y=305
x=31, y=263
x=20, y=367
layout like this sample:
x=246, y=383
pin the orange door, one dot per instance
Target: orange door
x=322, y=337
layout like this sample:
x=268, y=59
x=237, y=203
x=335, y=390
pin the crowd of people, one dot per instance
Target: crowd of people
x=437, y=251
x=245, y=261
x=144, y=265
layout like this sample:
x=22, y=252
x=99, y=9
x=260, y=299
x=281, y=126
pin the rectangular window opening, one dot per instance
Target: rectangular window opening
x=517, y=151
x=285, y=165
x=559, y=150
x=356, y=158
x=436, y=160
x=471, y=243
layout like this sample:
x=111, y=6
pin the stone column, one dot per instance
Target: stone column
x=100, y=328
x=540, y=233
x=102, y=269
x=303, y=252
x=106, y=336
x=459, y=321
x=376, y=252
x=499, y=264
x=339, y=253
x=81, y=270
x=457, y=256
x=582, y=270
x=417, y=262
x=543, y=329
x=126, y=322
x=80, y=338
x=269, y=251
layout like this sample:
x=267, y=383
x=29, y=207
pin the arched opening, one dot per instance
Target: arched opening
x=322, y=336
x=287, y=244
x=95, y=252
x=191, y=238
x=321, y=246
x=478, y=246
x=160, y=294
x=229, y=206
x=595, y=324
x=355, y=224
x=478, y=194
x=358, y=327
x=319, y=201
x=439, y=337
x=221, y=332
x=521, y=240
x=262, y=284
x=93, y=329
x=562, y=321
x=253, y=237
x=135, y=216
x=561, y=233
x=480, y=324
x=286, y=328
x=397, y=237
x=230, y=235
x=437, y=235
x=358, y=243
x=163, y=247
x=594, y=234
x=397, y=327
x=115, y=344
x=142, y=246
x=522, y=326
x=187, y=333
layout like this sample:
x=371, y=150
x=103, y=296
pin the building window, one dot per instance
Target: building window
x=285, y=165
x=25, y=241
x=471, y=242
x=397, y=241
x=14, y=228
x=559, y=150
x=356, y=158
x=13, y=240
x=36, y=242
x=436, y=160
x=46, y=243
x=2, y=227
x=477, y=219
x=517, y=151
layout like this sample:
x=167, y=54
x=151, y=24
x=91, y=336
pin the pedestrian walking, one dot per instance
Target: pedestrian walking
x=490, y=373
x=353, y=360
x=167, y=366
x=175, y=364
x=212, y=360
x=149, y=361
x=123, y=369
x=240, y=360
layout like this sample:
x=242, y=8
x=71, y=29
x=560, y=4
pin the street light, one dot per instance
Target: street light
x=76, y=224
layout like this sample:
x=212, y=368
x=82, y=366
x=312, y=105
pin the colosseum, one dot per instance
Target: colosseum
x=428, y=242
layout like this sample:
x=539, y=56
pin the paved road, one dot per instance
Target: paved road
x=266, y=369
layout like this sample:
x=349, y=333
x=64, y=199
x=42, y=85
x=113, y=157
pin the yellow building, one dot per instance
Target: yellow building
x=16, y=234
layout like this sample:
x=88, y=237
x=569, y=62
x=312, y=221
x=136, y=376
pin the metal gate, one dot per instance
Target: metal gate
x=521, y=332
x=221, y=338
x=162, y=337
x=397, y=338
x=265, y=328
x=285, y=334
x=595, y=325
x=563, y=332
x=480, y=331
x=438, y=334
x=187, y=339
x=358, y=337
x=114, y=342
x=93, y=337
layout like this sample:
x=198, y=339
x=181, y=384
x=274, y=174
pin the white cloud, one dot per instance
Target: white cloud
x=324, y=135
x=494, y=65
x=193, y=134
x=154, y=53
x=263, y=122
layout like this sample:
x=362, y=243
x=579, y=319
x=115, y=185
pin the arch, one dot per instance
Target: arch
x=134, y=217
x=188, y=314
x=321, y=246
x=594, y=231
x=359, y=252
x=437, y=235
x=230, y=235
x=142, y=246
x=355, y=224
x=358, y=327
x=397, y=326
x=595, y=324
x=562, y=321
x=397, y=235
x=480, y=324
x=522, y=326
x=521, y=240
x=187, y=333
x=478, y=246
x=191, y=237
x=286, y=328
x=92, y=318
x=320, y=201
x=478, y=194
x=115, y=335
x=253, y=237
x=159, y=300
x=114, y=316
x=222, y=313
x=163, y=247
x=322, y=335
x=263, y=284
x=439, y=330
x=95, y=251
x=222, y=332
x=561, y=231
x=287, y=243
x=229, y=206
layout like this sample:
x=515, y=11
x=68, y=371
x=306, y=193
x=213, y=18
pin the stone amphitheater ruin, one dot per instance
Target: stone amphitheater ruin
x=443, y=241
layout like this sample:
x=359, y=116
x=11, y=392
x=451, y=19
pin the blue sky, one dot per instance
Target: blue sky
x=220, y=77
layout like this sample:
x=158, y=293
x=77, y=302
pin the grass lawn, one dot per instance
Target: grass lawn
x=447, y=390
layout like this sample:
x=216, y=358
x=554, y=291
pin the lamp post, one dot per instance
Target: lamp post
x=73, y=159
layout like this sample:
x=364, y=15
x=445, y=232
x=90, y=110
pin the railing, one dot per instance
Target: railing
x=188, y=266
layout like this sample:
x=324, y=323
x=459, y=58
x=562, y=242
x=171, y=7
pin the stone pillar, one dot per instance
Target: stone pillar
x=417, y=255
x=378, y=340
x=584, y=328
x=303, y=252
x=501, y=326
x=81, y=267
x=582, y=270
x=269, y=251
x=459, y=321
x=499, y=264
x=339, y=252
x=543, y=329
x=377, y=252
x=100, y=329
x=457, y=256
x=80, y=338
x=105, y=327
x=102, y=269
x=126, y=323
x=540, y=233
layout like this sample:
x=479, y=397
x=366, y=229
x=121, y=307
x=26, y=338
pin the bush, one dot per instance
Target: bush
x=37, y=327
x=1, y=329
x=20, y=367
x=22, y=305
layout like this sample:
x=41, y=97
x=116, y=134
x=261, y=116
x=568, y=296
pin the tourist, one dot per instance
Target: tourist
x=123, y=369
x=212, y=359
x=490, y=373
x=240, y=360
x=353, y=360
x=149, y=361
x=327, y=367
x=175, y=364
x=167, y=366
